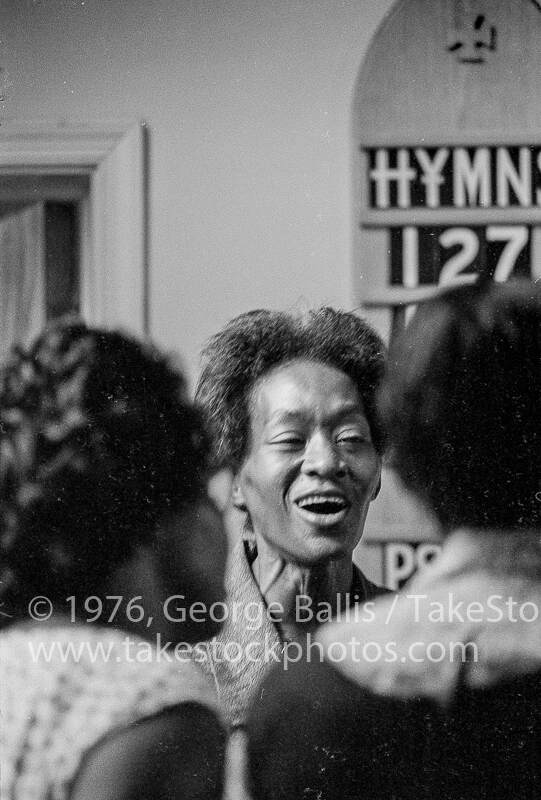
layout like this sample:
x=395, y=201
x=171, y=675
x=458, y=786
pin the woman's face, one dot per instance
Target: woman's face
x=311, y=470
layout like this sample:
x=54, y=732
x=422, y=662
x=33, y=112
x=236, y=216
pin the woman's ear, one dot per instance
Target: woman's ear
x=219, y=488
x=238, y=495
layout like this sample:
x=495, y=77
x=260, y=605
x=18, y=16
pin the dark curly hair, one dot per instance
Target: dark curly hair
x=253, y=343
x=462, y=405
x=97, y=443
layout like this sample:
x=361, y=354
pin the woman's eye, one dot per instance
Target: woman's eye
x=351, y=437
x=288, y=439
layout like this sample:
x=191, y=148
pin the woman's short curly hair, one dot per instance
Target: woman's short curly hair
x=98, y=442
x=462, y=405
x=254, y=343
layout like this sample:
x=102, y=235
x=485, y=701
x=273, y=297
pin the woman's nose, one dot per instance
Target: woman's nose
x=322, y=458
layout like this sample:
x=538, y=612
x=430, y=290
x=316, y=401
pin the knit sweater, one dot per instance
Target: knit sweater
x=63, y=688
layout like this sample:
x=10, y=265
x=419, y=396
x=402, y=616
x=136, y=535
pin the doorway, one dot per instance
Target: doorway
x=40, y=253
x=73, y=226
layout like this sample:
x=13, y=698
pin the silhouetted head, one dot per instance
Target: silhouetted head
x=461, y=404
x=99, y=447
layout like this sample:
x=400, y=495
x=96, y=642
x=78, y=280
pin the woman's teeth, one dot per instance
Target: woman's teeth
x=322, y=504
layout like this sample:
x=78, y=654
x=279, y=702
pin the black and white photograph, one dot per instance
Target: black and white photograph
x=270, y=400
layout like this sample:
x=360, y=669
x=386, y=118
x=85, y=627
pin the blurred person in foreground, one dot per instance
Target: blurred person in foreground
x=289, y=400
x=107, y=536
x=446, y=699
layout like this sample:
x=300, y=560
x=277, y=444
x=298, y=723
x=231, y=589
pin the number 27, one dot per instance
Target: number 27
x=514, y=236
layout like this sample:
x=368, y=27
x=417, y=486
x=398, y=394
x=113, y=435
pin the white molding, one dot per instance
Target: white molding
x=114, y=235
x=30, y=144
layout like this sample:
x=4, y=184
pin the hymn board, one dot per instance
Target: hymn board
x=447, y=138
x=447, y=162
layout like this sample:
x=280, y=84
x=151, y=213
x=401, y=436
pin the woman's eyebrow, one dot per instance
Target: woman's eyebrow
x=286, y=416
x=350, y=409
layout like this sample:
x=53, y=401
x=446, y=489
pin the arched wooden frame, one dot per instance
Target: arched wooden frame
x=114, y=252
x=411, y=91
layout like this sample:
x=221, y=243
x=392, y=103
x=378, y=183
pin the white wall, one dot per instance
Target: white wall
x=248, y=103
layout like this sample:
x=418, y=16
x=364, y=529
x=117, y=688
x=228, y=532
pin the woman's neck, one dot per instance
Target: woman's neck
x=301, y=595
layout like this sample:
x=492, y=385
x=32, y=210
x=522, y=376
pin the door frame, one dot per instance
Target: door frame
x=114, y=220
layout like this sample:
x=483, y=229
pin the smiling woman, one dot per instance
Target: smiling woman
x=290, y=403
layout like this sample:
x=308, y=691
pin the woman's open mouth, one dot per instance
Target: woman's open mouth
x=324, y=510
